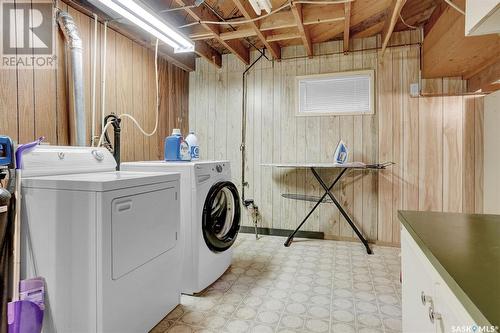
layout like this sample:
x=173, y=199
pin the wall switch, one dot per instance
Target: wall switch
x=414, y=90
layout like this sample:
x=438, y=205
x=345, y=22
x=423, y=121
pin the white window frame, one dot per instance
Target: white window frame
x=369, y=72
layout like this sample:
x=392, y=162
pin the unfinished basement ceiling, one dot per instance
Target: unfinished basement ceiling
x=322, y=22
x=308, y=22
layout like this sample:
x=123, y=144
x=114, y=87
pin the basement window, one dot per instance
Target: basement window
x=341, y=93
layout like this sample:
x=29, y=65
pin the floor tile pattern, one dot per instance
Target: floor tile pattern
x=316, y=286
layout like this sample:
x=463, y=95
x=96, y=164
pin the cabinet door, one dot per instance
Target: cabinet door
x=416, y=280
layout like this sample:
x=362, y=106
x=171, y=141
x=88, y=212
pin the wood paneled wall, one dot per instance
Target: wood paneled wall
x=34, y=102
x=436, y=142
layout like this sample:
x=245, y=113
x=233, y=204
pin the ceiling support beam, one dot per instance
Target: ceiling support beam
x=202, y=13
x=280, y=20
x=390, y=22
x=304, y=33
x=247, y=11
x=204, y=50
x=283, y=36
x=347, y=25
x=240, y=33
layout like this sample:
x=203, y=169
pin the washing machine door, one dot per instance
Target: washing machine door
x=221, y=216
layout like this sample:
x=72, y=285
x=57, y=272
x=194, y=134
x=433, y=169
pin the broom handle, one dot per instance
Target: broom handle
x=16, y=274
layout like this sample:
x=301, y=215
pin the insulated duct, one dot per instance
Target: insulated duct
x=74, y=60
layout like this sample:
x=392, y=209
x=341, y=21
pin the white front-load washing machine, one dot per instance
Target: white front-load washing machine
x=210, y=218
x=105, y=241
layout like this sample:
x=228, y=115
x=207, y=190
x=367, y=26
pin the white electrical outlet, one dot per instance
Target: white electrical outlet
x=414, y=89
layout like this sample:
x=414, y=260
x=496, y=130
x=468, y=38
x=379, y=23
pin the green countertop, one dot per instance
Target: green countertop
x=465, y=250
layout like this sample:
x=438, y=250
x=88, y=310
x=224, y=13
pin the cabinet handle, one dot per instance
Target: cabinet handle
x=433, y=315
x=425, y=299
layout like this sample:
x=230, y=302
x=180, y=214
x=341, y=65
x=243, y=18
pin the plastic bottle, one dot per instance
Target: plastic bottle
x=194, y=147
x=176, y=148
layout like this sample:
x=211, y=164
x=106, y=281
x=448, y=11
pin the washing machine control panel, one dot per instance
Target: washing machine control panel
x=207, y=170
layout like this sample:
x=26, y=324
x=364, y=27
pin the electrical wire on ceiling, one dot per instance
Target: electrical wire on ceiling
x=404, y=22
x=286, y=5
x=454, y=6
x=234, y=29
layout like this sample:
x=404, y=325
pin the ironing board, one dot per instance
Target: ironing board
x=328, y=190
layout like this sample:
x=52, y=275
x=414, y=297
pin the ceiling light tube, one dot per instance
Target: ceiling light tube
x=265, y=5
x=155, y=22
x=148, y=22
x=255, y=6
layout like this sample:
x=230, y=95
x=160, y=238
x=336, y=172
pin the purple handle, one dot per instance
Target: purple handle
x=21, y=149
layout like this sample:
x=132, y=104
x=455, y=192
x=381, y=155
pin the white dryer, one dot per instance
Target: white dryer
x=210, y=218
x=104, y=240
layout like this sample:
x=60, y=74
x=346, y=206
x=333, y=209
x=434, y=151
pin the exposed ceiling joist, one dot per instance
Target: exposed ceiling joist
x=247, y=11
x=198, y=32
x=316, y=14
x=240, y=33
x=392, y=19
x=283, y=36
x=347, y=23
x=204, y=50
x=360, y=11
x=281, y=20
x=304, y=33
x=201, y=13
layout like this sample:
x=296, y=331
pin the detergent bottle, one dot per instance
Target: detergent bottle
x=176, y=148
x=194, y=147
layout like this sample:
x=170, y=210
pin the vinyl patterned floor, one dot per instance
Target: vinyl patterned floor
x=312, y=286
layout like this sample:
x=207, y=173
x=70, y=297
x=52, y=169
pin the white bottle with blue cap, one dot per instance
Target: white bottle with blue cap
x=194, y=147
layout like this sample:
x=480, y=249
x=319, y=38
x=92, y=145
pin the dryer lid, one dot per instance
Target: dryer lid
x=60, y=160
x=99, y=181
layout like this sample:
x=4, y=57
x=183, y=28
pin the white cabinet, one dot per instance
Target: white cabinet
x=417, y=283
x=428, y=304
x=482, y=17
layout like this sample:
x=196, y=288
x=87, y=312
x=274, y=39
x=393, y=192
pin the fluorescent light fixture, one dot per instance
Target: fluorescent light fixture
x=259, y=5
x=136, y=14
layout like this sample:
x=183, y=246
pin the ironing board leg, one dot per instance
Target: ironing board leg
x=290, y=238
x=341, y=209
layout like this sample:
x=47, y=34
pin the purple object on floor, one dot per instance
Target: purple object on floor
x=26, y=315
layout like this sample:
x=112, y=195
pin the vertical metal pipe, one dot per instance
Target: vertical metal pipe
x=244, y=128
x=74, y=50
